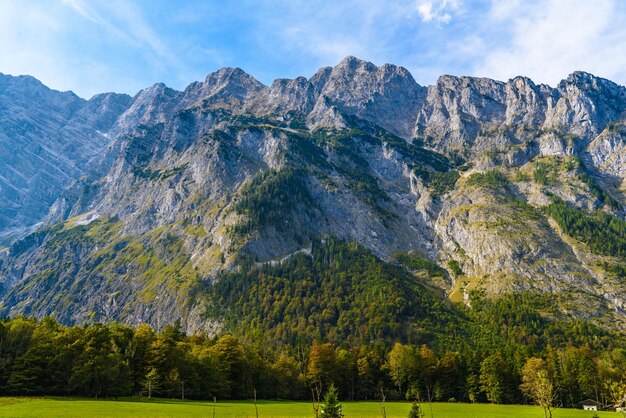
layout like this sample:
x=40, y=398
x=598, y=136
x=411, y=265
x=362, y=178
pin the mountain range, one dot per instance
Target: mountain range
x=163, y=206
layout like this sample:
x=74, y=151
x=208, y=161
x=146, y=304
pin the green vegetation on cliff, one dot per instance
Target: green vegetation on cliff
x=339, y=293
x=491, y=179
x=270, y=197
x=605, y=234
x=156, y=265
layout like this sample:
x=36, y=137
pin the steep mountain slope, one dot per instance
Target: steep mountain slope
x=470, y=173
x=47, y=139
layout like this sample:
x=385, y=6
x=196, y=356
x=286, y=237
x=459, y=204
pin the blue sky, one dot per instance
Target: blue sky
x=92, y=46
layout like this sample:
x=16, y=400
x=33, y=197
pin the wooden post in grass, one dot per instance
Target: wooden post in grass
x=214, y=405
x=256, y=409
x=382, y=402
x=316, y=399
x=430, y=400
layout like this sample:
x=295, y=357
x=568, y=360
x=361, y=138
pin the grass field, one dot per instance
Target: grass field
x=64, y=407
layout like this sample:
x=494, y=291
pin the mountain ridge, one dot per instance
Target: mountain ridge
x=462, y=172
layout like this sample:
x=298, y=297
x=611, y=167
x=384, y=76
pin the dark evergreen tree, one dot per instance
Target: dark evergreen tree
x=331, y=407
x=416, y=410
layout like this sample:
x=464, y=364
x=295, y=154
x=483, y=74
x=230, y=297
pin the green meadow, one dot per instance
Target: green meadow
x=133, y=407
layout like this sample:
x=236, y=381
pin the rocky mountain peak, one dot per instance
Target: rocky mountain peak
x=351, y=63
x=387, y=95
x=580, y=82
x=108, y=99
x=26, y=83
x=227, y=87
x=102, y=110
x=521, y=83
x=588, y=103
x=27, y=91
x=152, y=91
x=456, y=107
x=583, y=79
x=526, y=103
x=156, y=92
x=231, y=83
x=471, y=85
x=320, y=78
x=226, y=74
x=151, y=105
x=47, y=139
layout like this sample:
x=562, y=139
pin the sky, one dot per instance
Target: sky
x=95, y=46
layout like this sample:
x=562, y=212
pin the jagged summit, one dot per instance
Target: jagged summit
x=234, y=73
x=351, y=62
x=581, y=77
x=234, y=76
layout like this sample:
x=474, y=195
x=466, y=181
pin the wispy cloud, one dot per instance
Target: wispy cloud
x=84, y=46
x=90, y=14
x=368, y=29
x=28, y=41
x=124, y=20
x=549, y=39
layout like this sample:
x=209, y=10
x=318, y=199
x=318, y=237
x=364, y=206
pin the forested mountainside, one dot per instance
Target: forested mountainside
x=354, y=206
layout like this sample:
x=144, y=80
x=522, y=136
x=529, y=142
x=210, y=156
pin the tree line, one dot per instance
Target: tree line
x=110, y=360
x=337, y=317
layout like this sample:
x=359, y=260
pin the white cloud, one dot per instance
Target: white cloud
x=445, y=18
x=437, y=11
x=505, y=9
x=551, y=39
x=426, y=11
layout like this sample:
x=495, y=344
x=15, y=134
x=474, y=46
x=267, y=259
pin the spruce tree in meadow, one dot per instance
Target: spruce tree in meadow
x=331, y=408
x=416, y=410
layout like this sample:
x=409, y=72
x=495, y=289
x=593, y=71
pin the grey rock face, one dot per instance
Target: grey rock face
x=456, y=108
x=587, y=104
x=47, y=139
x=285, y=97
x=527, y=103
x=607, y=152
x=473, y=115
x=386, y=95
x=227, y=88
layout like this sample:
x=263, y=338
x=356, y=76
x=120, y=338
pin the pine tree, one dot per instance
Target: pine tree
x=331, y=407
x=416, y=411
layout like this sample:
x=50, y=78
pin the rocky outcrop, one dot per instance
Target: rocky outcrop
x=386, y=95
x=474, y=115
x=607, y=152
